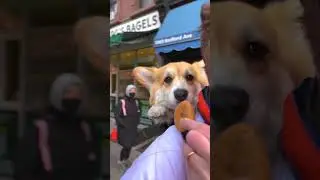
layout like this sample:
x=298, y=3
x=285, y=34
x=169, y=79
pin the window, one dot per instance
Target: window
x=113, y=9
x=12, y=56
x=113, y=83
x=146, y=3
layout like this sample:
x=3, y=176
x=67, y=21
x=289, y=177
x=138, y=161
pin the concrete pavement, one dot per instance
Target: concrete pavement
x=114, y=156
x=115, y=153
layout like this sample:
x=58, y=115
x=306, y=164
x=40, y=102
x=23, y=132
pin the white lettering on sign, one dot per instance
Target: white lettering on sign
x=172, y=39
x=145, y=23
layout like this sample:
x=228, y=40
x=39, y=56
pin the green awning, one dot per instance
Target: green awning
x=116, y=39
x=128, y=38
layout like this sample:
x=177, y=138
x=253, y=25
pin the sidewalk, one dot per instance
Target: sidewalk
x=114, y=156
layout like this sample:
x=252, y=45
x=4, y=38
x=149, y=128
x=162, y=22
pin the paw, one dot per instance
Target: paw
x=160, y=120
x=156, y=112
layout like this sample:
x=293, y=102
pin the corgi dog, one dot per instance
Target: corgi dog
x=169, y=85
x=261, y=55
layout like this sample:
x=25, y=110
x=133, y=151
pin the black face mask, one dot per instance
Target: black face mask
x=132, y=95
x=71, y=106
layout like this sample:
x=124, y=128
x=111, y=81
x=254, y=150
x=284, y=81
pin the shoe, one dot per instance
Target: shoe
x=122, y=166
x=128, y=163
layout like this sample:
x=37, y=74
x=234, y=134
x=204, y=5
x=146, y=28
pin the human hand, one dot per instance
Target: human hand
x=197, y=149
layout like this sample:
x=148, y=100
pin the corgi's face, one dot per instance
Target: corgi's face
x=260, y=55
x=173, y=83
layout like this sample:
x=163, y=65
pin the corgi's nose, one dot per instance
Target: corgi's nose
x=230, y=105
x=181, y=94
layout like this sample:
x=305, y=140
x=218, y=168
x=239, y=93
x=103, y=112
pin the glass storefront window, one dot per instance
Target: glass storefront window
x=113, y=83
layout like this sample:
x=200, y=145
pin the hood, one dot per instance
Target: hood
x=59, y=86
x=129, y=87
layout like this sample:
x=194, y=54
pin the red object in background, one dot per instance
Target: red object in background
x=203, y=108
x=298, y=147
x=114, y=135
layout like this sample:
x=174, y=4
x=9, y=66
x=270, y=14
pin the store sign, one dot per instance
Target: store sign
x=145, y=23
x=177, y=39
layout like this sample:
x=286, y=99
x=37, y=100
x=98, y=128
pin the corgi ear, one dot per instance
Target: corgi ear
x=286, y=10
x=144, y=75
x=296, y=52
x=199, y=67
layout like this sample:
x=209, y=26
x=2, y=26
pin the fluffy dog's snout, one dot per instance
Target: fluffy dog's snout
x=230, y=105
x=181, y=94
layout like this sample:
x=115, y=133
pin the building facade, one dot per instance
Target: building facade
x=134, y=24
x=36, y=45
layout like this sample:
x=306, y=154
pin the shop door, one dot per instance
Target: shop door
x=114, y=85
x=9, y=69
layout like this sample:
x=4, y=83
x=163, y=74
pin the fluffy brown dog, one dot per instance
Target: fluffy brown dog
x=169, y=85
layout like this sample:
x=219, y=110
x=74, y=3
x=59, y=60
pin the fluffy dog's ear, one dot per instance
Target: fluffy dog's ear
x=286, y=10
x=199, y=67
x=144, y=75
x=296, y=54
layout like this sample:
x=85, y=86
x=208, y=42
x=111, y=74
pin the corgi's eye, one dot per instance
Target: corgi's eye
x=189, y=77
x=256, y=51
x=168, y=80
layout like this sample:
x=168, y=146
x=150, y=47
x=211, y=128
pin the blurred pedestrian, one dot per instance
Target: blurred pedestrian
x=60, y=145
x=127, y=118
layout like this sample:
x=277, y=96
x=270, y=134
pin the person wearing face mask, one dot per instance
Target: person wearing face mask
x=127, y=119
x=60, y=145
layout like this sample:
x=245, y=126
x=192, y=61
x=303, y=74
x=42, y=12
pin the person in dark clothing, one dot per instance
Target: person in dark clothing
x=127, y=118
x=60, y=145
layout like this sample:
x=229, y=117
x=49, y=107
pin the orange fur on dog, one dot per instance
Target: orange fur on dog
x=91, y=36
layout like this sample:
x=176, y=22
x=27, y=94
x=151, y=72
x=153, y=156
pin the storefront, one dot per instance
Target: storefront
x=131, y=46
x=178, y=39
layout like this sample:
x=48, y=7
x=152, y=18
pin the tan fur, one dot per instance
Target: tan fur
x=152, y=78
x=92, y=36
x=161, y=93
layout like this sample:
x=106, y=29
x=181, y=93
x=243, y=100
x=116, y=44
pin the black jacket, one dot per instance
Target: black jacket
x=128, y=118
x=69, y=153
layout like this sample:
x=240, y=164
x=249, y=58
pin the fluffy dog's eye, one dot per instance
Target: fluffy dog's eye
x=168, y=80
x=189, y=77
x=256, y=50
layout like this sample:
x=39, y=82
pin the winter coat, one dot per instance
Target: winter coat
x=73, y=151
x=127, y=118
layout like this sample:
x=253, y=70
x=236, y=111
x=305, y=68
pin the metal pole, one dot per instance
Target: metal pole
x=23, y=72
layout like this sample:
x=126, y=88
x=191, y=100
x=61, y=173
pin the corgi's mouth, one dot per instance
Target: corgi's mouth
x=230, y=105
